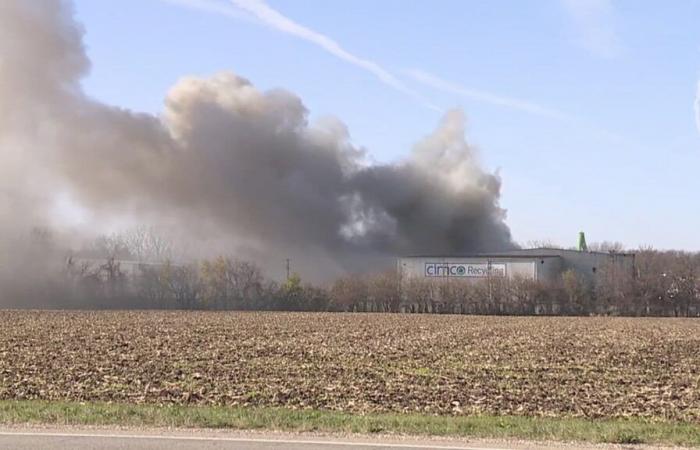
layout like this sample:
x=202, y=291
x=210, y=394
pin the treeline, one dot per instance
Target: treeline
x=141, y=270
x=214, y=284
x=663, y=284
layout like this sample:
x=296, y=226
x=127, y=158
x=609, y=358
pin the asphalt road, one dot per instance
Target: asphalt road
x=47, y=439
x=50, y=438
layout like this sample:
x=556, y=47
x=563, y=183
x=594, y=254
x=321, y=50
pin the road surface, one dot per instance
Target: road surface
x=109, y=439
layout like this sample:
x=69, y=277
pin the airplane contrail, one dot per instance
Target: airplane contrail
x=267, y=15
x=440, y=84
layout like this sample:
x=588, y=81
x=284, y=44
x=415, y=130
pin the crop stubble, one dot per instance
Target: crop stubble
x=590, y=367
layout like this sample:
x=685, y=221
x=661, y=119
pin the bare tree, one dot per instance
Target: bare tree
x=231, y=284
x=616, y=291
x=152, y=285
x=184, y=285
x=245, y=282
x=577, y=294
x=541, y=244
x=607, y=247
x=524, y=294
x=420, y=294
x=146, y=244
x=350, y=293
x=384, y=291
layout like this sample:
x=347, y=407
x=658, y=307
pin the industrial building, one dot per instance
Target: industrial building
x=540, y=264
x=545, y=265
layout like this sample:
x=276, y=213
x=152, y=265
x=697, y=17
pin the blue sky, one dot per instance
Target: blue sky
x=584, y=106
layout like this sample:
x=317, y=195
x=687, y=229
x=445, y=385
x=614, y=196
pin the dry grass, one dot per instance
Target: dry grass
x=445, y=365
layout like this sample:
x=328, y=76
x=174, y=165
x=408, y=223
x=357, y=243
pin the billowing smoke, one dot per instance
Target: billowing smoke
x=233, y=168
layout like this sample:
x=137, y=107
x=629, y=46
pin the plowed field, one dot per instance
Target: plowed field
x=592, y=367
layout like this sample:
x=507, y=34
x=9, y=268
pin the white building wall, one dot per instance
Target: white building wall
x=467, y=269
x=588, y=265
x=538, y=264
x=549, y=269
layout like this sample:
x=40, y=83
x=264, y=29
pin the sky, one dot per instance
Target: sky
x=586, y=108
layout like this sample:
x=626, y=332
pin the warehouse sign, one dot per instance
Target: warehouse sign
x=465, y=270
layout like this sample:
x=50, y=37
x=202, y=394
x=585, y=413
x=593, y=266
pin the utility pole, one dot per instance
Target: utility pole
x=288, y=268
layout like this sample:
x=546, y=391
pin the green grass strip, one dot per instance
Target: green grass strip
x=619, y=431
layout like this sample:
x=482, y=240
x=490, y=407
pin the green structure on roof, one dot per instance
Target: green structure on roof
x=582, y=247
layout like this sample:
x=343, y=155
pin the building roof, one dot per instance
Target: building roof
x=485, y=255
x=542, y=252
x=549, y=250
